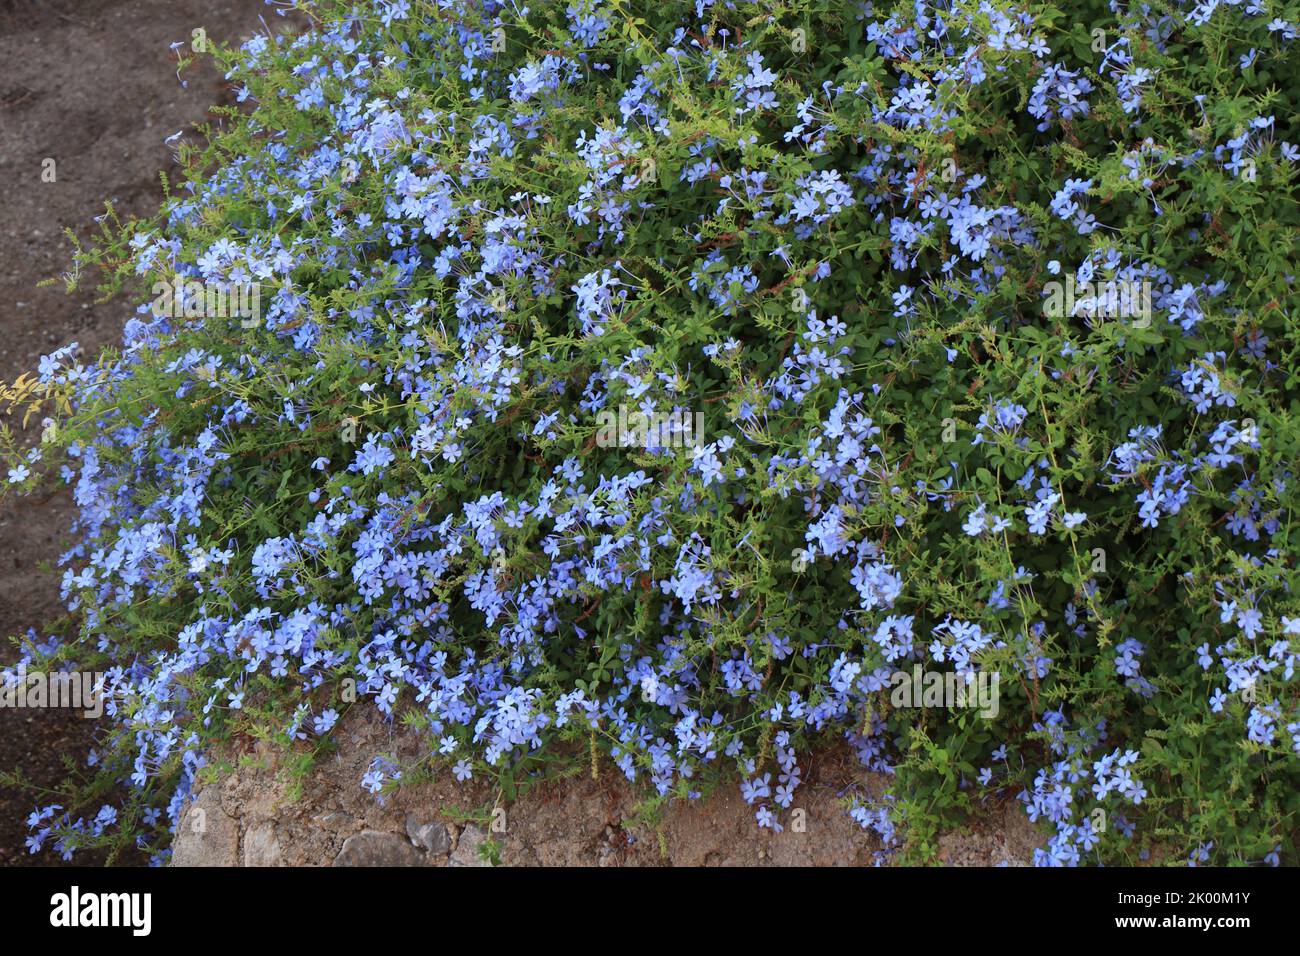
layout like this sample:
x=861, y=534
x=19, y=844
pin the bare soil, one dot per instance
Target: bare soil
x=258, y=811
x=91, y=85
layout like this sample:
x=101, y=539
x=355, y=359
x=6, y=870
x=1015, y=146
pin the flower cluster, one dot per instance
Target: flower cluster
x=478, y=226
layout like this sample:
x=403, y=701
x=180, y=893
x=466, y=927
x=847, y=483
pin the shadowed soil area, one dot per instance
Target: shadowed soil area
x=91, y=85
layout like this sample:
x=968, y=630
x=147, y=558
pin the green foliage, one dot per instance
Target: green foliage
x=466, y=253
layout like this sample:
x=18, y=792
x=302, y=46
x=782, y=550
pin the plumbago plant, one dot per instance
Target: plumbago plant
x=829, y=229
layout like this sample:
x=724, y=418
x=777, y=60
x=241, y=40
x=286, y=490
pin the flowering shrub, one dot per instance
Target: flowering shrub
x=822, y=231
